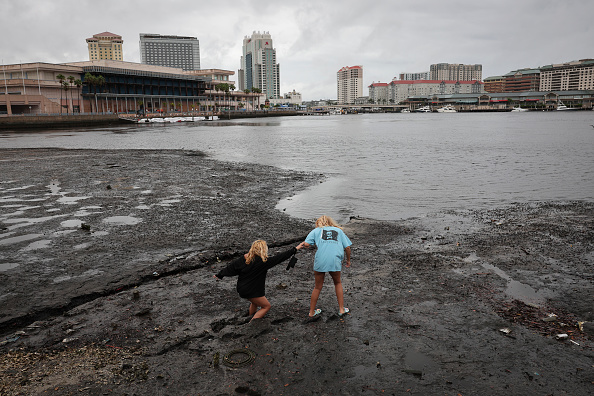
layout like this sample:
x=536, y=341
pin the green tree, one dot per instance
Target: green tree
x=65, y=87
x=61, y=79
x=78, y=83
x=71, y=83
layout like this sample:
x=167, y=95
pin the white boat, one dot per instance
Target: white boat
x=424, y=109
x=561, y=107
x=405, y=111
x=447, y=109
x=518, y=109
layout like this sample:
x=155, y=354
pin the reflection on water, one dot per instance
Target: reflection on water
x=384, y=166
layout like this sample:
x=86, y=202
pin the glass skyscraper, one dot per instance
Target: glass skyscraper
x=258, y=65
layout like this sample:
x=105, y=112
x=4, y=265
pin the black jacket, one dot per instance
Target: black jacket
x=252, y=278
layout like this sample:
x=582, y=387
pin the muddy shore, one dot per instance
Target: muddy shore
x=106, y=264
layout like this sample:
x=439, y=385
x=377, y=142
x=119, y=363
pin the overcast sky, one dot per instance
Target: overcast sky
x=314, y=39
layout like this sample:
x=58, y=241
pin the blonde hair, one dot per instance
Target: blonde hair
x=326, y=221
x=259, y=248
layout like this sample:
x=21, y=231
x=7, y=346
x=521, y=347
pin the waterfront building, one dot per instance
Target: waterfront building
x=455, y=71
x=378, y=93
x=494, y=84
x=349, y=81
x=127, y=87
x=415, y=76
x=576, y=75
x=524, y=80
x=399, y=90
x=292, y=99
x=259, y=68
x=172, y=51
x=106, y=45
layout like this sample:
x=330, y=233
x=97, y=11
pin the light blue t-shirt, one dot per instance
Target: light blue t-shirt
x=331, y=242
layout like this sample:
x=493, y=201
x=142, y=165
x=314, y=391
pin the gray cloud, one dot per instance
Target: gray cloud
x=315, y=38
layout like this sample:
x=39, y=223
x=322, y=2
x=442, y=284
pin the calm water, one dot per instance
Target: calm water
x=384, y=166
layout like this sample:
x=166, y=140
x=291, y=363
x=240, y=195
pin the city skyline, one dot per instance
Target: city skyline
x=314, y=40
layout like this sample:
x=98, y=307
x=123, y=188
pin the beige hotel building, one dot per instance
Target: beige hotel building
x=105, y=45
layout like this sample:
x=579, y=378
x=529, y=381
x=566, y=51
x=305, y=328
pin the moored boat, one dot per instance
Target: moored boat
x=424, y=109
x=518, y=109
x=447, y=109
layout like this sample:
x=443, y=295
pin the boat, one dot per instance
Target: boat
x=424, y=109
x=561, y=107
x=518, y=109
x=447, y=109
x=405, y=111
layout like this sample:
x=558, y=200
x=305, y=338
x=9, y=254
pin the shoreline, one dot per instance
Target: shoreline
x=428, y=296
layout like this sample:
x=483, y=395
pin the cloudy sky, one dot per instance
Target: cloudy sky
x=314, y=39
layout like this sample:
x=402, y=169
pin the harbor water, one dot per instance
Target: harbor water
x=382, y=166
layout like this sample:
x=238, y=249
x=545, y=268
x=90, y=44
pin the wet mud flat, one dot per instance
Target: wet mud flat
x=497, y=301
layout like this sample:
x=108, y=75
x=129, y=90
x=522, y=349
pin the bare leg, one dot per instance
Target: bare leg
x=261, y=302
x=338, y=289
x=315, y=294
x=253, y=308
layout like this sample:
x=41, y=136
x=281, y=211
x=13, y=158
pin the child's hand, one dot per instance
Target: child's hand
x=214, y=276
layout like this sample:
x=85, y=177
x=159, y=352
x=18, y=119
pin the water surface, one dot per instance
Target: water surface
x=384, y=166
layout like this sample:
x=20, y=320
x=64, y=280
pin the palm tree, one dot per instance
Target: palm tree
x=258, y=91
x=65, y=87
x=232, y=88
x=61, y=78
x=78, y=83
x=71, y=82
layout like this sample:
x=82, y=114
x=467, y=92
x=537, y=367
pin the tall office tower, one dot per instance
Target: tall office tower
x=349, y=81
x=172, y=51
x=105, y=46
x=455, y=72
x=258, y=65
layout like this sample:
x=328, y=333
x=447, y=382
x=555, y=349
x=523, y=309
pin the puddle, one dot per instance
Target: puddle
x=417, y=363
x=99, y=233
x=168, y=202
x=64, y=278
x=147, y=192
x=122, y=220
x=70, y=200
x=82, y=246
x=54, y=188
x=71, y=223
x=7, y=266
x=518, y=290
x=62, y=233
x=143, y=207
x=18, y=239
x=23, y=222
x=37, y=245
x=20, y=188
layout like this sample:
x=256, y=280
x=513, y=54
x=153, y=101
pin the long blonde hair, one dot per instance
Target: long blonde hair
x=259, y=248
x=326, y=221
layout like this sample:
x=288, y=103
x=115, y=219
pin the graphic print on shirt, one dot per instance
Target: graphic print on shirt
x=330, y=235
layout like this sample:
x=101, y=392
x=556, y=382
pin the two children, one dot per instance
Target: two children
x=332, y=245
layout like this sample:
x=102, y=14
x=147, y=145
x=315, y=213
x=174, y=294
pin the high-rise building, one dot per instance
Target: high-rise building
x=106, y=45
x=171, y=51
x=349, y=81
x=455, y=72
x=415, y=76
x=258, y=65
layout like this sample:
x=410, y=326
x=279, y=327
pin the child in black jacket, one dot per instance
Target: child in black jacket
x=252, y=269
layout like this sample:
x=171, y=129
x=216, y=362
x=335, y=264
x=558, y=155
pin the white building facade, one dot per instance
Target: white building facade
x=379, y=93
x=415, y=76
x=577, y=75
x=349, y=82
x=456, y=72
x=171, y=51
x=400, y=90
x=259, y=67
